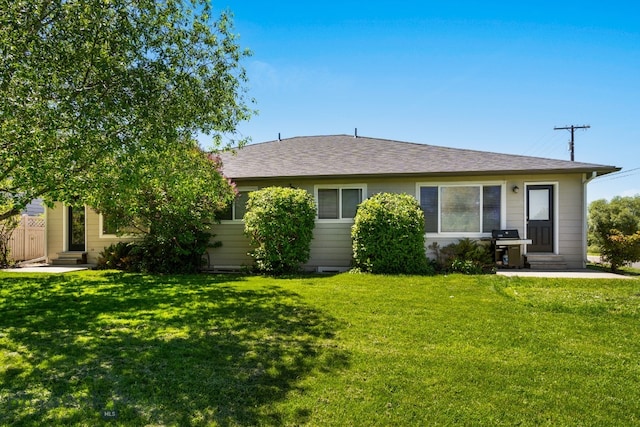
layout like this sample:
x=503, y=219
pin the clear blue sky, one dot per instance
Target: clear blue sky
x=494, y=76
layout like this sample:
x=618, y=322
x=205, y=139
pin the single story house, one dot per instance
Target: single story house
x=464, y=193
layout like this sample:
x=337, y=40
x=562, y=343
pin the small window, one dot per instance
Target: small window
x=429, y=204
x=351, y=198
x=111, y=226
x=237, y=209
x=338, y=202
x=328, y=202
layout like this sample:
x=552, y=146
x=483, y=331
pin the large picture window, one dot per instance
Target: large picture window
x=338, y=202
x=473, y=208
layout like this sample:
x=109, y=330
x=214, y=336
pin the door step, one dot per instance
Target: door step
x=70, y=258
x=546, y=262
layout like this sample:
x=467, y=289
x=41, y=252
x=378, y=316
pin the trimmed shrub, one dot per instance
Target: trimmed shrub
x=388, y=236
x=619, y=249
x=279, y=222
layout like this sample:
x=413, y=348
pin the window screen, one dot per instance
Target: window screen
x=328, y=204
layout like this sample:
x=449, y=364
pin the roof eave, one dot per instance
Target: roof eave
x=598, y=170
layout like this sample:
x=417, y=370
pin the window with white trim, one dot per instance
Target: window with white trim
x=339, y=201
x=110, y=227
x=462, y=208
x=235, y=211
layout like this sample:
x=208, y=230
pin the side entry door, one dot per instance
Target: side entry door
x=75, y=229
x=540, y=226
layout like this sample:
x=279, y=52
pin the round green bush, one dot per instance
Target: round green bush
x=279, y=222
x=388, y=236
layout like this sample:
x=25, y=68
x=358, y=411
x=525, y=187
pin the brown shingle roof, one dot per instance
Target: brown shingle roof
x=344, y=155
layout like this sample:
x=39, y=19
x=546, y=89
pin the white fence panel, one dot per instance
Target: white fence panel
x=27, y=241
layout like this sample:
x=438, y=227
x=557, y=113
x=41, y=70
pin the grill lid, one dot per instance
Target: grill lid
x=505, y=234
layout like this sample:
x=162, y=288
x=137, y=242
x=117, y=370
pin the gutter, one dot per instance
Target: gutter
x=437, y=174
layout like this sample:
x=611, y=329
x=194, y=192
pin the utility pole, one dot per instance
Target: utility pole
x=572, y=129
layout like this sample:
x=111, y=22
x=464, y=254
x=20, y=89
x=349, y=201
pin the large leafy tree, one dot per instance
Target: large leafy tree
x=84, y=83
x=171, y=206
x=615, y=228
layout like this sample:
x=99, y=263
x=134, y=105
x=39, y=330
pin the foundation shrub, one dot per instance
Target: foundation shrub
x=279, y=222
x=388, y=236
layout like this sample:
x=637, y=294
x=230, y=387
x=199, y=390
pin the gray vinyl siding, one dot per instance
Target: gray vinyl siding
x=54, y=231
x=571, y=221
x=331, y=246
x=95, y=243
x=235, y=246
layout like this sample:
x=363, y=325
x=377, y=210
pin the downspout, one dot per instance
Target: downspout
x=585, y=211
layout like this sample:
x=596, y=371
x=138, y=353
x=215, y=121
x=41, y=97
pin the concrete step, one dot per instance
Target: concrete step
x=546, y=262
x=70, y=258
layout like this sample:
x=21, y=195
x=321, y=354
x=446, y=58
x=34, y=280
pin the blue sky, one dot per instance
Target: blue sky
x=494, y=76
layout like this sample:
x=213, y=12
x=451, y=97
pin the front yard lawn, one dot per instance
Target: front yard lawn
x=109, y=348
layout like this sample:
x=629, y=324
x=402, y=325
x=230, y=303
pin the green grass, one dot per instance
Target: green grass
x=343, y=350
x=624, y=270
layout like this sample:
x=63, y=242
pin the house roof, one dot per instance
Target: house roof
x=349, y=156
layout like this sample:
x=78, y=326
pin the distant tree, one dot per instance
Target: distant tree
x=85, y=83
x=615, y=228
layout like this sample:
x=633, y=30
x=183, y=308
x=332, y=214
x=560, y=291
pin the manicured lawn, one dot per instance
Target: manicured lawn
x=625, y=270
x=344, y=350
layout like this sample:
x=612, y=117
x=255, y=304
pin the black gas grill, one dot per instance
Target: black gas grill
x=505, y=235
x=506, y=246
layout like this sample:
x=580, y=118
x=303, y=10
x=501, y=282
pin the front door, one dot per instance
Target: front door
x=75, y=227
x=540, y=218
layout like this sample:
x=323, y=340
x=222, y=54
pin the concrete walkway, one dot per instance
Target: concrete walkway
x=44, y=268
x=569, y=274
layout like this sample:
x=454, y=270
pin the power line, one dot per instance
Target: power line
x=620, y=174
x=543, y=146
x=572, y=128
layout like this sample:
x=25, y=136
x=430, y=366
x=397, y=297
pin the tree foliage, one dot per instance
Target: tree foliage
x=172, y=206
x=279, y=222
x=388, y=235
x=87, y=83
x=7, y=227
x=615, y=228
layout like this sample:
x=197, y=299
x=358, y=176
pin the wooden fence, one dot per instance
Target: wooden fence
x=27, y=241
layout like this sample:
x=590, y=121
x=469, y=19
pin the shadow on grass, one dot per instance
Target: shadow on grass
x=187, y=350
